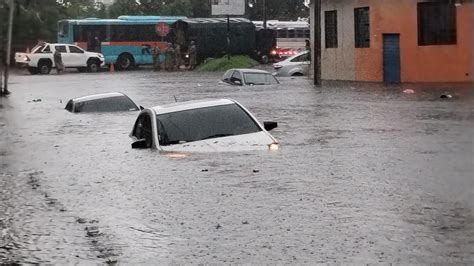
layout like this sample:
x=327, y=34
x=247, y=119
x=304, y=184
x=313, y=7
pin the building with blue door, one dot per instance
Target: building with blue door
x=396, y=41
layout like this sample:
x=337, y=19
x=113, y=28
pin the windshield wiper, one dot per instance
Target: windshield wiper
x=217, y=136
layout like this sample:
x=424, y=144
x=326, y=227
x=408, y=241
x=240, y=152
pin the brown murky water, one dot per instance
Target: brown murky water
x=366, y=174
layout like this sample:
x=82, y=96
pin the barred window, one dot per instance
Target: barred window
x=330, y=28
x=436, y=23
x=362, y=27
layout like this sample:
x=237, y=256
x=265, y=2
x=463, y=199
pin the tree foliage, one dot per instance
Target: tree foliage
x=277, y=9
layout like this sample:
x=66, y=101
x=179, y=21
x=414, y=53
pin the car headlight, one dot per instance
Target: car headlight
x=274, y=146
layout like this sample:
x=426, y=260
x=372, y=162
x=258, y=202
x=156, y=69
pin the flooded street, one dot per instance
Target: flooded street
x=365, y=174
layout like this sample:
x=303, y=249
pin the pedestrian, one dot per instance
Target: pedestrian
x=177, y=55
x=58, y=62
x=192, y=53
x=170, y=58
x=156, y=58
x=97, y=43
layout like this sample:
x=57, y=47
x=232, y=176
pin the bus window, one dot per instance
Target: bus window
x=282, y=33
x=291, y=33
x=63, y=29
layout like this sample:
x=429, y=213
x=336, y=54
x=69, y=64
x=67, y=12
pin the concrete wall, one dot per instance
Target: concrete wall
x=434, y=63
x=338, y=63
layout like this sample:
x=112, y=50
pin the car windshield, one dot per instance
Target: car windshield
x=259, y=79
x=204, y=123
x=37, y=48
x=111, y=104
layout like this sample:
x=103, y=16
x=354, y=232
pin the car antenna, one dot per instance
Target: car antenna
x=176, y=100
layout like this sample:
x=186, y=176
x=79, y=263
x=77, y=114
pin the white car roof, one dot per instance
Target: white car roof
x=294, y=56
x=98, y=96
x=251, y=70
x=182, y=106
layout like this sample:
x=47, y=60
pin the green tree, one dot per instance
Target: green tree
x=151, y=7
x=201, y=8
x=124, y=7
x=277, y=9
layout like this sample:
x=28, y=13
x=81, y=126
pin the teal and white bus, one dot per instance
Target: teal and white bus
x=125, y=42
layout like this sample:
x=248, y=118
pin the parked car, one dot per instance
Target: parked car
x=248, y=77
x=105, y=102
x=40, y=59
x=202, y=126
x=297, y=65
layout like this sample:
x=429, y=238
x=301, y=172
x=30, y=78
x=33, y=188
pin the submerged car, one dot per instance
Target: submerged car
x=202, y=126
x=297, y=65
x=105, y=102
x=248, y=77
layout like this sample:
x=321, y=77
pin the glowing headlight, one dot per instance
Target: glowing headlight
x=273, y=146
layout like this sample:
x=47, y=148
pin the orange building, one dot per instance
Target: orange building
x=397, y=40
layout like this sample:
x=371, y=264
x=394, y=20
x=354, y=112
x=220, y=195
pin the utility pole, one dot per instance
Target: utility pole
x=5, y=91
x=228, y=37
x=317, y=43
x=264, y=15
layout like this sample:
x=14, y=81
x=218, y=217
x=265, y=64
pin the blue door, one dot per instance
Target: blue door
x=391, y=58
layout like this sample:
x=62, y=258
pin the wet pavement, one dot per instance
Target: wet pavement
x=366, y=174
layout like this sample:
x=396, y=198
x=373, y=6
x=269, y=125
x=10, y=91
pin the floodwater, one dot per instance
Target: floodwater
x=365, y=174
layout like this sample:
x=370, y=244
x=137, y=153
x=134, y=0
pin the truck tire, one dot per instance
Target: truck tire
x=44, y=67
x=125, y=62
x=93, y=65
x=33, y=70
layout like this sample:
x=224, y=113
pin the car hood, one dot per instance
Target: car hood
x=95, y=54
x=247, y=142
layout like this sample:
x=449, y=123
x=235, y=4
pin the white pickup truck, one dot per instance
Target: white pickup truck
x=40, y=59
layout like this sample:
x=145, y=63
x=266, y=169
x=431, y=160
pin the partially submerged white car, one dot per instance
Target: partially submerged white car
x=297, y=65
x=202, y=126
x=40, y=59
x=103, y=102
x=248, y=77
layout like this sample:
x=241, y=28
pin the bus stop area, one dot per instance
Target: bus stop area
x=365, y=173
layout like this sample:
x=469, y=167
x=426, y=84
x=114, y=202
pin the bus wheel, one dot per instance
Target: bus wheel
x=125, y=62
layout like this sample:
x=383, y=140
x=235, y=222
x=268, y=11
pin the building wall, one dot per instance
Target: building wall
x=338, y=63
x=434, y=63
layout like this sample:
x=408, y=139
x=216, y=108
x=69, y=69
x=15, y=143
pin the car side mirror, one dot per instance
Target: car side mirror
x=140, y=144
x=269, y=125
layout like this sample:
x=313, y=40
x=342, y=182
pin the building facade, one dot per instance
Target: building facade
x=397, y=40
